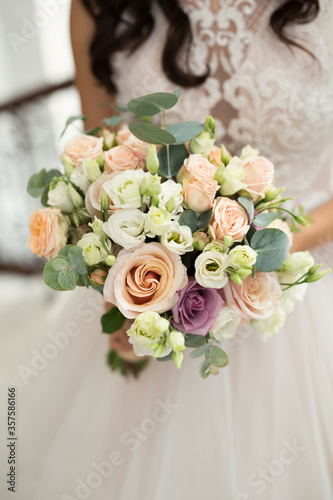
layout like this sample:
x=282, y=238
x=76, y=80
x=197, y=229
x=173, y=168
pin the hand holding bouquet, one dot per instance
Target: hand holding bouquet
x=183, y=239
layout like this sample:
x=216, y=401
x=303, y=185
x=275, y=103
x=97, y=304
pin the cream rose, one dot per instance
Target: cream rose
x=83, y=146
x=255, y=298
x=49, y=229
x=127, y=227
x=259, y=174
x=229, y=218
x=145, y=278
x=138, y=147
x=199, y=195
x=95, y=193
x=196, y=167
x=124, y=189
x=121, y=158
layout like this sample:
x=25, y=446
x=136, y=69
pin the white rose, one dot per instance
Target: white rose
x=178, y=239
x=171, y=197
x=273, y=324
x=93, y=250
x=127, y=227
x=209, y=269
x=242, y=257
x=232, y=180
x=159, y=221
x=226, y=325
x=146, y=330
x=80, y=178
x=124, y=189
x=60, y=198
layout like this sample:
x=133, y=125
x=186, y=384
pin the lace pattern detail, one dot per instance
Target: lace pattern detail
x=260, y=91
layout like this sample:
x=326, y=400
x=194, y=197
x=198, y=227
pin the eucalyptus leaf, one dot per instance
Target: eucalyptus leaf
x=199, y=351
x=204, y=368
x=113, y=121
x=51, y=277
x=75, y=257
x=50, y=174
x=166, y=358
x=59, y=264
x=185, y=131
x=248, y=205
x=151, y=104
x=272, y=247
x=113, y=320
x=71, y=120
x=36, y=184
x=194, y=340
x=67, y=279
x=217, y=356
x=177, y=156
x=45, y=197
x=263, y=219
x=94, y=131
x=178, y=93
x=204, y=220
x=189, y=218
x=151, y=133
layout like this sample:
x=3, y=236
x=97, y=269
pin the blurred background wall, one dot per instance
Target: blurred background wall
x=37, y=95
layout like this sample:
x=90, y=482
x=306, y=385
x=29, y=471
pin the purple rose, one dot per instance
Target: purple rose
x=197, y=309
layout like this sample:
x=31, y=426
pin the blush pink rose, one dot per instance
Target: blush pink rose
x=199, y=195
x=196, y=168
x=83, y=146
x=121, y=158
x=138, y=147
x=145, y=278
x=215, y=156
x=255, y=298
x=229, y=218
x=94, y=194
x=49, y=229
x=259, y=174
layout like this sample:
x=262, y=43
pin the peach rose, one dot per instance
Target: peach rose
x=229, y=218
x=197, y=168
x=145, y=278
x=119, y=159
x=215, y=156
x=255, y=298
x=199, y=195
x=49, y=229
x=126, y=138
x=94, y=194
x=259, y=173
x=83, y=146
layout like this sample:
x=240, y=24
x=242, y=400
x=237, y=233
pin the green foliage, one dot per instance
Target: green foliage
x=263, y=219
x=204, y=220
x=177, y=156
x=215, y=358
x=193, y=221
x=272, y=247
x=113, y=121
x=166, y=358
x=194, y=340
x=248, y=205
x=71, y=120
x=185, y=131
x=151, y=133
x=116, y=363
x=152, y=104
x=38, y=184
x=112, y=320
x=66, y=270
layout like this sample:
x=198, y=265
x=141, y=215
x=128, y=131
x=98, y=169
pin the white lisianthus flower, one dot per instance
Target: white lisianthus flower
x=249, y=152
x=202, y=143
x=210, y=269
x=146, y=331
x=226, y=325
x=124, y=189
x=273, y=324
x=93, y=250
x=97, y=227
x=159, y=221
x=216, y=246
x=176, y=340
x=80, y=178
x=242, y=257
x=171, y=198
x=150, y=184
x=297, y=263
x=233, y=176
x=60, y=197
x=127, y=227
x=178, y=239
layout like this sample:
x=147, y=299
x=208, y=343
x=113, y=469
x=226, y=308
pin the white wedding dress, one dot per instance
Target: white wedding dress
x=260, y=430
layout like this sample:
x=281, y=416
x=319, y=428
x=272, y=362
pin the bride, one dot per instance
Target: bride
x=261, y=429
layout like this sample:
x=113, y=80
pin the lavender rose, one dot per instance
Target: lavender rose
x=197, y=309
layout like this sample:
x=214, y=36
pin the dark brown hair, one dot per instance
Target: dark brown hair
x=124, y=25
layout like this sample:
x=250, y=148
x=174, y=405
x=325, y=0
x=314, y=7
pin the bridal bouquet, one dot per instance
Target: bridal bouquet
x=182, y=238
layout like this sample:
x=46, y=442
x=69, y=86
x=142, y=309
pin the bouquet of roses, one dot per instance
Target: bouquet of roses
x=182, y=238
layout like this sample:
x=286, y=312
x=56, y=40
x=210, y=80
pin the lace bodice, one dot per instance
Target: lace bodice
x=260, y=91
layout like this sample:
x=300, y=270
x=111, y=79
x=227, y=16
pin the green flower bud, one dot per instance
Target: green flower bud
x=225, y=157
x=272, y=193
x=91, y=168
x=177, y=358
x=236, y=279
x=200, y=240
x=171, y=204
x=314, y=269
x=100, y=160
x=152, y=161
x=316, y=276
x=243, y=273
x=220, y=174
x=76, y=198
x=210, y=125
x=105, y=202
x=110, y=260
x=202, y=143
x=154, y=187
x=176, y=341
x=228, y=241
x=68, y=166
x=154, y=201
